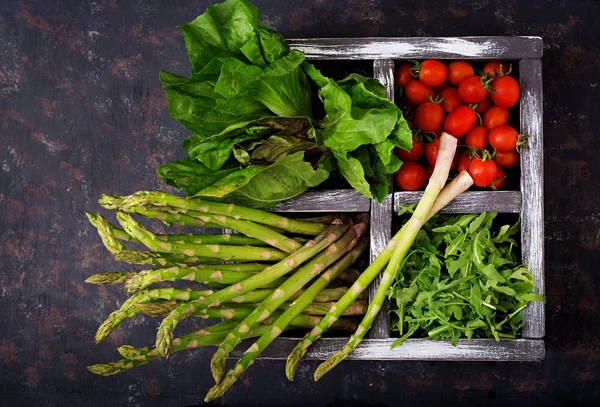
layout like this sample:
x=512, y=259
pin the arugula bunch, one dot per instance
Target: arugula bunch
x=461, y=279
x=248, y=102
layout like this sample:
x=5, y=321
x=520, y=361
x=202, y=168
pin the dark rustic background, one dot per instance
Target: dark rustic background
x=82, y=113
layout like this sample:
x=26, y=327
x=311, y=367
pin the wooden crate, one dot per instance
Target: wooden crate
x=528, y=202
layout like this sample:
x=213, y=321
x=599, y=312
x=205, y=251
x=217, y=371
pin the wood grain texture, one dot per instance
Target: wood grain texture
x=532, y=184
x=381, y=213
x=469, y=202
x=413, y=349
x=330, y=200
x=476, y=48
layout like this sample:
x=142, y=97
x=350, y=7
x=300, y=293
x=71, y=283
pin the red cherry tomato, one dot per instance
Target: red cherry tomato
x=451, y=99
x=499, y=180
x=459, y=70
x=482, y=172
x=403, y=74
x=433, y=72
x=411, y=176
x=495, y=68
x=417, y=92
x=431, y=151
x=484, y=105
x=460, y=121
x=506, y=159
x=463, y=161
x=507, y=91
x=495, y=116
x=504, y=138
x=429, y=116
x=477, y=137
x=471, y=90
x=415, y=152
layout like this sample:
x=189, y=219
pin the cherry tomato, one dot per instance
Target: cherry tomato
x=417, y=92
x=411, y=176
x=463, y=161
x=477, y=137
x=403, y=74
x=460, y=121
x=433, y=72
x=495, y=68
x=459, y=70
x=504, y=138
x=431, y=151
x=451, y=99
x=484, y=105
x=506, y=159
x=429, y=116
x=507, y=91
x=499, y=180
x=495, y=116
x=415, y=152
x=482, y=172
x=471, y=90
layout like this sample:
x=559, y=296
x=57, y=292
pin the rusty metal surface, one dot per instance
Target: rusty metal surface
x=82, y=113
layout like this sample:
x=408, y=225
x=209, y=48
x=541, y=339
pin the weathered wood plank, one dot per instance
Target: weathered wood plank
x=532, y=185
x=413, y=349
x=470, y=201
x=477, y=48
x=381, y=213
x=329, y=200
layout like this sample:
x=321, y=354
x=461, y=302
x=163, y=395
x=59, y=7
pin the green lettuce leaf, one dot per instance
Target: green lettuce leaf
x=191, y=175
x=215, y=150
x=265, y=186
x=232, y=29
x=362, y=128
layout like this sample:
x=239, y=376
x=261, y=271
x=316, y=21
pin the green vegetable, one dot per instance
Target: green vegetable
x=361, y=127
x=248, y=103
x=463, y=278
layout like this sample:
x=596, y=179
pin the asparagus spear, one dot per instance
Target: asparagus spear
x=291, y=285
x=205, y=337
x=204, y=275
x=285, y=320
x=328, y=294
x=158, y=198
x=409, y=233
x=121, y=253
x=449, y=145
x=224, y=252
x=159, y=259
x=232, y=239
x=112, y=278
x=128, y=308
x=228, y=310
x=330, y=235
x=189, y=341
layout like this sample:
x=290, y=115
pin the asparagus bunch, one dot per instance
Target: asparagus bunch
x=253, y=298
